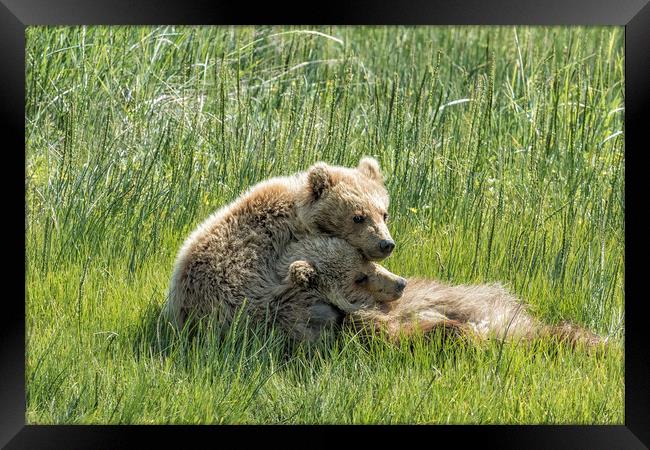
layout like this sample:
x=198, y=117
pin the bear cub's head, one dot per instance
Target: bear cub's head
x=331, y=269
x=352, y=204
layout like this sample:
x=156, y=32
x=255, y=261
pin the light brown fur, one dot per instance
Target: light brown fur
x=483, y=311
x=232, y=256
x=426, y=306
x=323, y=279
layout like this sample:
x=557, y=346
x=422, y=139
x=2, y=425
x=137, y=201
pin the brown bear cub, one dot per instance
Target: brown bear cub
x=424, y=306
x=324, y=278
x=483, y=311
x=232, y=256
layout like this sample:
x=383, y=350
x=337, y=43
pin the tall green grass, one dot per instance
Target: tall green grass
x=503, y=153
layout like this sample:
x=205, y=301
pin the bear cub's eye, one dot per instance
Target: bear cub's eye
x=362, y=278
x=358, y=219
x=385, y=217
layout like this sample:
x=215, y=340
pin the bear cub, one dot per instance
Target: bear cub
x=231, y=257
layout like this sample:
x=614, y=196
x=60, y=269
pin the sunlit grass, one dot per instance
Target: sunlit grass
x=503, y=153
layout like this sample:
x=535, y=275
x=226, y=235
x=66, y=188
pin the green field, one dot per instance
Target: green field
x=503, y=150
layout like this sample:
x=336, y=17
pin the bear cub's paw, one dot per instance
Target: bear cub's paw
x=302, y=273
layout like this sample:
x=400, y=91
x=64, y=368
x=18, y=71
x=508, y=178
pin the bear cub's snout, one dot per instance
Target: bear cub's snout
x=386, y=246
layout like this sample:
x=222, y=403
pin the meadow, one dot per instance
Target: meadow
x=503, y=151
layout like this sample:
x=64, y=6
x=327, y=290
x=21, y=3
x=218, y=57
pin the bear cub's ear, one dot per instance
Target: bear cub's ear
x=370, y=168
x=319, y=179
x=302, y=274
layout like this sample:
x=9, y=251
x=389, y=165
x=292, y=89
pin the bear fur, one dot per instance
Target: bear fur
x=483, y=311
x=424, y=306
x=231, y=257
x=323, y=278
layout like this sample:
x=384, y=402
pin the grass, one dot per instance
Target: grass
x=504, y=155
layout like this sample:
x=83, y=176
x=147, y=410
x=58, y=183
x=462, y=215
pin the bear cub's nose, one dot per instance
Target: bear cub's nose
x=386, y=246
x=401, y=284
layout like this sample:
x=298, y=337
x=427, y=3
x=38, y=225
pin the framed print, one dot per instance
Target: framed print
x=374, y=216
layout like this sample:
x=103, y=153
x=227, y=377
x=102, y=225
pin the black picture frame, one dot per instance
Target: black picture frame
x=16, y=15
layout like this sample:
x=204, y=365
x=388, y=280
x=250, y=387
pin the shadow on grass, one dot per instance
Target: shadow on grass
x=247, y=348
x=204, y=341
